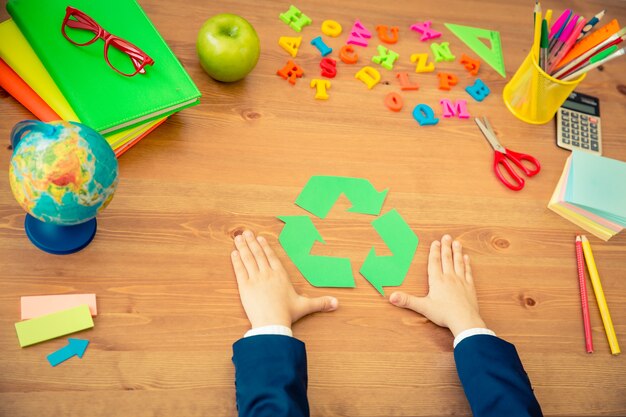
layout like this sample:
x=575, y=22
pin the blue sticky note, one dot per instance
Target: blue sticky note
x=598, y=184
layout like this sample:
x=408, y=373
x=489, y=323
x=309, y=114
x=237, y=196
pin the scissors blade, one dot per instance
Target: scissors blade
x=489, y=134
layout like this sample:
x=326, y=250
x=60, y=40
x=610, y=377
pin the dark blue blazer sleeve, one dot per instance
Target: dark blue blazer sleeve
x=271, y=376
x=494, y=379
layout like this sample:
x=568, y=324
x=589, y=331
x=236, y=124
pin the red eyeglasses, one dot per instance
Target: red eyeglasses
x=125, y=58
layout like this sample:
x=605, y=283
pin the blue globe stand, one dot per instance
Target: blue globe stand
x=59, y=240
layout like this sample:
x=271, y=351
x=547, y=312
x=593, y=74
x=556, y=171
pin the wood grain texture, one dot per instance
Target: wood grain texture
x=168, y=304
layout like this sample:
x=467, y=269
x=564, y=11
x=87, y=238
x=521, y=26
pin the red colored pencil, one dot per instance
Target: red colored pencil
x=583, y=294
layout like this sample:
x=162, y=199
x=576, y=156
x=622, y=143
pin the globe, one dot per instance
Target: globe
x=62, y=174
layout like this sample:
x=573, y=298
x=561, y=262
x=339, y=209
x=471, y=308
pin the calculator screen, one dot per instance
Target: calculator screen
x=585, y=108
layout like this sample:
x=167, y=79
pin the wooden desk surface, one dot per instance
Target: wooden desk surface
x=168, y=304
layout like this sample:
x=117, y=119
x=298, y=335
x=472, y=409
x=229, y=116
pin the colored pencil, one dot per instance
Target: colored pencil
x=584, y=301
x=591, y=23
x=597, y=289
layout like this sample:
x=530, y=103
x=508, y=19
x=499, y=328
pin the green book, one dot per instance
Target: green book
x=102, y=98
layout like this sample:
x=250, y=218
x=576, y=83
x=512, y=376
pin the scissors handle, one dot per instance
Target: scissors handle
x=504, y=160
x=517, y=158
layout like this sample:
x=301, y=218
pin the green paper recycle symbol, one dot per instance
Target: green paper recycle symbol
x=299, y=235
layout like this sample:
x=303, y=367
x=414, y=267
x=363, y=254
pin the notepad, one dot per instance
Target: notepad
x=102, y=98
x=591, y=193
x=53, y=325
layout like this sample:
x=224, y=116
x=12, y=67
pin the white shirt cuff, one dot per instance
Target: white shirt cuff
x=276, y=329
x=471, y=332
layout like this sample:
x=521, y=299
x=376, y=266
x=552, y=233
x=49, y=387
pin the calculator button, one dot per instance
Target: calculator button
x=594, y=146
x=565, y=141
x=593, y=130
x=585, y=140
x=584, y=117
x=565, y=123
x=584, y=123
x=594, y=137
x=584, y=129
x=585, y=146
x=565, y=135
x=585, y=134
x=565, y=130
x=564, y=112
x=593, y=120
x=574, y=115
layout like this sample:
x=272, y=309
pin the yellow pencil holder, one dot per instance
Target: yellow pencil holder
x=534, y=96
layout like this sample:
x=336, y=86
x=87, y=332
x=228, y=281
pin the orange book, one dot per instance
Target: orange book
x=22, y=92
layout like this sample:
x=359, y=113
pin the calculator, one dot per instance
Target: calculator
x=578, y=124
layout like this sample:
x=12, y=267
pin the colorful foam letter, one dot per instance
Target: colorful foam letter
x=383, y=33
x=295, y=18
x=459, y=108
x=359, y=35
x=329, y=67
x=321, y=46
x=470, y=64
x=291, y=71
x=386, y=57
x=424, y=115
x=369, y=76
x=394, y=101
x=290, y=44
x=347, y=55
x=447, y=80
x=441, y=52
x=426, y=31
x=422, y=65
x=320, y=88
x=478, y=91
x=405, y=84
x=331, y=28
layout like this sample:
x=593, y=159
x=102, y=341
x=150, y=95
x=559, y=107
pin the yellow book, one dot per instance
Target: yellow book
x=18, y=54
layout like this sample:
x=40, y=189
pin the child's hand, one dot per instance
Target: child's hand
x=451, y=301
x=267, y=295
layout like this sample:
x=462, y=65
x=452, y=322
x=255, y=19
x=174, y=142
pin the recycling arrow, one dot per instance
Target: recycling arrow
x=402, y=242
x=321, y=192
x=75, y=347
x=299, y=235
x=297, y=238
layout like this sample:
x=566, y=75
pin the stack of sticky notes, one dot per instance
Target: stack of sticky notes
x=58, y=80
x=592, y=194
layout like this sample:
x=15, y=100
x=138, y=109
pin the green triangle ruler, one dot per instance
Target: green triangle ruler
x=472, y=37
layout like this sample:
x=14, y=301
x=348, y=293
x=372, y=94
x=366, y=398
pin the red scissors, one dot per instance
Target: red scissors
x=504, y=157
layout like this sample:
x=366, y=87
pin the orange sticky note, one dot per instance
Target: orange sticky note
x=40, y=305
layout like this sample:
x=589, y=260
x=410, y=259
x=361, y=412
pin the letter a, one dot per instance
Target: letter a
x=459, y=108
x=369, y=76
x=290, y=45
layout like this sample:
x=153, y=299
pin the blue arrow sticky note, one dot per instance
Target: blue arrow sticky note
x=75, y=347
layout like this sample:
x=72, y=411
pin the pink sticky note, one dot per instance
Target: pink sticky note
x=40, y=305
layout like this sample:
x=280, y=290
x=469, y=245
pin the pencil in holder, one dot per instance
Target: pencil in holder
x=534, y=96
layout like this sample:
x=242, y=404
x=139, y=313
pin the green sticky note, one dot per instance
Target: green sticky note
x=40, y=329
x=598, y=184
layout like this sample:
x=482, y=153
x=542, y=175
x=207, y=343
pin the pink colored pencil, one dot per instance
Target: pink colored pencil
x=583, y=294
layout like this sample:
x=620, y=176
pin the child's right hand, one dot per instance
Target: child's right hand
x=451, y=301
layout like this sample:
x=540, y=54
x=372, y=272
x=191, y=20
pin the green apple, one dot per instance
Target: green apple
x=228, y=47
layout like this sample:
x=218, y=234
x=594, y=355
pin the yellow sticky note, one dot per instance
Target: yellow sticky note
x=61, y=323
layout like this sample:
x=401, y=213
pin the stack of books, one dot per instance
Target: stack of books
x=43, y=66
x=592, y=194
